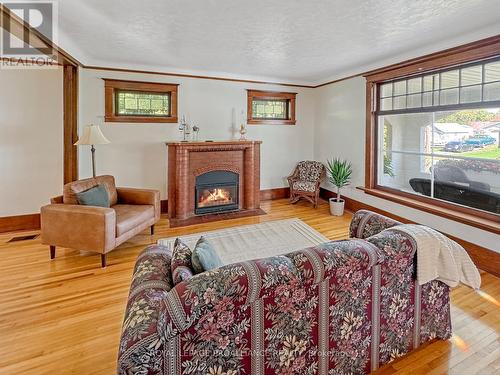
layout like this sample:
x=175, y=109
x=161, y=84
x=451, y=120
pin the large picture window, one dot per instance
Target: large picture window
x=438, y=136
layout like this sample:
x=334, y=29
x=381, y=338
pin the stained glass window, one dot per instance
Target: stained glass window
x=135, y=103
x=270, y=109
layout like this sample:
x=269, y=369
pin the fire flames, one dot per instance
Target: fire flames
x=215, y=197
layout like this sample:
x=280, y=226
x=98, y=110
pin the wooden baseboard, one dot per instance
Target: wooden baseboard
x=20, y=222
x=485, y=259
x=277, y=193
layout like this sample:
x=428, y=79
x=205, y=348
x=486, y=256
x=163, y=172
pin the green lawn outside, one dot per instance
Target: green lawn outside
x=489, y=152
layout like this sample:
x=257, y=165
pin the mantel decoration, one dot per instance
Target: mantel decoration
x=92, y=135
x=340, y=172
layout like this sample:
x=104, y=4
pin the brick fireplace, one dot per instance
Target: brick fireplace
x=212, y=181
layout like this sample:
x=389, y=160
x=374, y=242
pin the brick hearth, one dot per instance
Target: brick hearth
x=187, y=160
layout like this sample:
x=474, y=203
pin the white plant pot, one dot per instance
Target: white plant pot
x=336, y=208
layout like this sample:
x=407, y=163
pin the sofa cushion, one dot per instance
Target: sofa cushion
x=96, y=196
x=72, y=188
x=181, y=265
x=131, y=216
x=204, y=257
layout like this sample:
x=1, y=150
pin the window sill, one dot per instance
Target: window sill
x=137, y=119
x=490, y=225
x=270, y=122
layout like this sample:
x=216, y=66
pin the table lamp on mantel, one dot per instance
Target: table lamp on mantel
x=92, y=135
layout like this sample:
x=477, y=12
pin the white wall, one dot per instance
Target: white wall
x=137, y=155
x=340, y=131
x=31, y=139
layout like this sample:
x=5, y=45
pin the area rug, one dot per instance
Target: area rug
x=256, y=241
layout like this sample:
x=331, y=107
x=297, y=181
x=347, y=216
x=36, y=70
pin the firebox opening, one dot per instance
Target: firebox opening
x=216, y=191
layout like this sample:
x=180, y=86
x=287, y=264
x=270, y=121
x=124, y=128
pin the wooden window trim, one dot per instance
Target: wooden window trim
x=468, y=53
x=111, y=86
x=271, y=95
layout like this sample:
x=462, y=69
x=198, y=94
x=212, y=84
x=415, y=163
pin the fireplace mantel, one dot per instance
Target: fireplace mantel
x=187, y=160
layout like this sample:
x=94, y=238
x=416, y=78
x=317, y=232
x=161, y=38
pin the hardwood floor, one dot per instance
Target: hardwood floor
x=64, y=316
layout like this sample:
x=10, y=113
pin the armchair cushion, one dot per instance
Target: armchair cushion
x=304, y=186
x=72, y=188
x=129, y=217
x=310, y=170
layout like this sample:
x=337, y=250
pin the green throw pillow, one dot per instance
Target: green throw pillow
x=204, y=257
x=96, y=196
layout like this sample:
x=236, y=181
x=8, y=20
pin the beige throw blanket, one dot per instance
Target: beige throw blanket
x=440, y=258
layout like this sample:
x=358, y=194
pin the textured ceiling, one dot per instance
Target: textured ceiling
x=299, y=41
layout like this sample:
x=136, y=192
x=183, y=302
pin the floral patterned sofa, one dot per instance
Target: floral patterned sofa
x=343, y=307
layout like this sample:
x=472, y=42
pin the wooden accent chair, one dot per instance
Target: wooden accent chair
x=100, y=229
x=305, y=181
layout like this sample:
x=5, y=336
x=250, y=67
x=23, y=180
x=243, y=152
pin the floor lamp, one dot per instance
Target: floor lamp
x=92, y=135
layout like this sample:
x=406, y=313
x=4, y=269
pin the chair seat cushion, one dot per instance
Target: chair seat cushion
x=304, y=186
x=131, y=216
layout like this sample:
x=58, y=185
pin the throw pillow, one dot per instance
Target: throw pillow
x=204, y=257
x=181, y=262
x=95, y=196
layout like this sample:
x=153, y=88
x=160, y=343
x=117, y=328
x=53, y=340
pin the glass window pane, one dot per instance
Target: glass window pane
x=427, y=99
x=400, y=88
x=471, y=76
x=470, y=94
x=414, y=85
x=436, y=82
x=273, y=109
x=492, y=72
x=471, y=183
x=142, y=104
x=400, y=102
x=436, y=97
x=449, y=79
x=492, y=91
x=386, y=90
x=414, y=100
x=448, y=97
x=428, y=83
x=386, y=104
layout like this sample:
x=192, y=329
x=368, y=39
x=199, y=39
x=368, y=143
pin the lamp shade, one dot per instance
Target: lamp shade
x=92, y=135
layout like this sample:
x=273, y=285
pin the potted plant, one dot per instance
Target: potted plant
x=340, y=175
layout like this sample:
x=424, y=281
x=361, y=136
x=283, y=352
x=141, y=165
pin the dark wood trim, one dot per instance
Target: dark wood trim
x=22, y=30
x=194, y=76
x=370, y=138
x=271, y=95
x=70, y=125
x=20, y=222
x=112, y=85
x=276, y=193
x=486, y=259
x=478, y=50
x=164, y=206
x=481, y=220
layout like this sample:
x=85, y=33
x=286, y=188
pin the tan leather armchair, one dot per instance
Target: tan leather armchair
x=66, y=223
